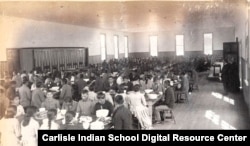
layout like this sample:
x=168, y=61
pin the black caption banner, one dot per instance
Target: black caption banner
x=159, y=137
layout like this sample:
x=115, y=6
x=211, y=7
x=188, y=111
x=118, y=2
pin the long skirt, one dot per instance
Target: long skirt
x=142, y=114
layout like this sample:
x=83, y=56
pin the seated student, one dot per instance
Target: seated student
x=142, y=84
x=157, y=86
x=49, y=123
x=85, y=106
x=149, y=82
x=70, y=122
x=138, y=106
x=122, y=117
x=50, y=102
x=103, y=104
x=110, y=85
x=126, y=85
x=166, y=102
x=109, y=96
x=69, y=104
x=92, y=94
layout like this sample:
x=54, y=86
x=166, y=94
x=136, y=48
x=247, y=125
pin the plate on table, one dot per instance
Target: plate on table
x=86, y=80
x=105, y=120
x=41, y=115
x=56, y=89
x=148, y=91
x=87, y=119
x=97, y=125
x=152, y=96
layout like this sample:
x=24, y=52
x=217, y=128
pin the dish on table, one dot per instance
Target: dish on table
x=105, y=120
x=102, y=113
x=41, y=115
x=97, y=125
x=87, y=119
x=152, y=96
x=148, y=91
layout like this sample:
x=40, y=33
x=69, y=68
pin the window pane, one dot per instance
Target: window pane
x=179, y=50
x=103, y=47
x=153, y=46
x=208, y=44
x=179, y=45
x=126, y=46
x=116, y=47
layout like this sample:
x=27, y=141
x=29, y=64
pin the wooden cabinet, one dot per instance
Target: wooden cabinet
x=231, y=49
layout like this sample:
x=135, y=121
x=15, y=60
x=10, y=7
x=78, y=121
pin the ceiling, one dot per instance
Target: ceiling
x=123, y=15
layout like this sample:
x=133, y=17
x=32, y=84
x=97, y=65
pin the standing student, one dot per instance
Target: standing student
x=80, y=84
x=4, y=102
x=10, y=128
x=122, y=117
x=225, y=76
x=38, y=96
x=25, y=93
x=29, y=128
x=49, y=123
x=66, y=91
x=20, y=111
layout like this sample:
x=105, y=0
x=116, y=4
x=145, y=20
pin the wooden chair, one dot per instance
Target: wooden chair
x=179, y=95
x=136, y=123
x=193, y=85
x=169, y=111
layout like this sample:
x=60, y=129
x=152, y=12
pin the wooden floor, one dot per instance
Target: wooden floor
x=209, y=109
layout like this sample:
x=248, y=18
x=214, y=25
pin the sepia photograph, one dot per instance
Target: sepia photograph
x=122, y=65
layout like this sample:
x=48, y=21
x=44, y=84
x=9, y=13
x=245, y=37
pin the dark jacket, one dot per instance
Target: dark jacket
x=107, y=105
x=107, y=87
x=122, y=119
x=168, y=98
x=126, y=86
x=81, y=84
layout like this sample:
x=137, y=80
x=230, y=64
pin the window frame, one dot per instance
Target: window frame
x=126, y=49
x=150, y=49
x=179, y=45
x=204, y=49
x=103, y=55
x=116, y=47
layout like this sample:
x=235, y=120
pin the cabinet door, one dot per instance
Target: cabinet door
x=26, y=59
x=13, y=60
x=231, y=49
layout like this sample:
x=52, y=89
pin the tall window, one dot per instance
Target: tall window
x=153, y=46
x=116, y=47
x=208, y=43
x=126, y=46
x=103, y=47
x=179, y=45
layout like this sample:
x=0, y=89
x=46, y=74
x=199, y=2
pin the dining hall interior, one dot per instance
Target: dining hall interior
x=161, y=65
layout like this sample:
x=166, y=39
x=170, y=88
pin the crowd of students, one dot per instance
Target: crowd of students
x=117, y=85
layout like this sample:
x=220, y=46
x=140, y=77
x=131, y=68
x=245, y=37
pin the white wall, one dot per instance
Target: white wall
x=22, y=33
x=193, y=39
